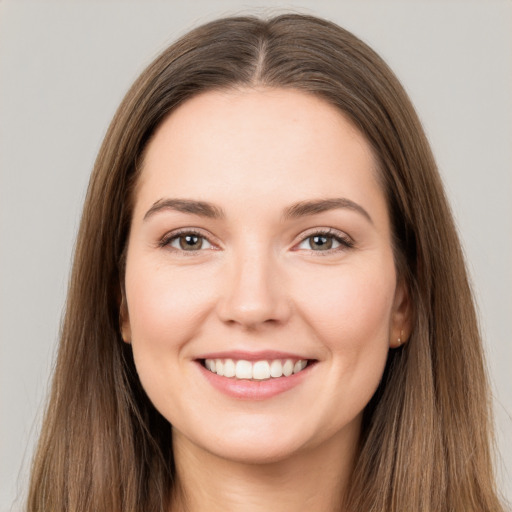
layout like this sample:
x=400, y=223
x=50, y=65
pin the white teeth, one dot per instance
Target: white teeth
x=229, y=368
x=299, y=366
x=276, y=368
x=257, y=370
x=288, y=368
x=261, y=370
x=243, y=370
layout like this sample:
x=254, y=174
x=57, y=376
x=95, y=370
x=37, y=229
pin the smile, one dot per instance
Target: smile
x=255, y=370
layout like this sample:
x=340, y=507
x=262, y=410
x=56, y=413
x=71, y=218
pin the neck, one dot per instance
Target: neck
x=313, y=480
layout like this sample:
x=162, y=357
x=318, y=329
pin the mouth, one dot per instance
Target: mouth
x=259, y=370
x=255, y=376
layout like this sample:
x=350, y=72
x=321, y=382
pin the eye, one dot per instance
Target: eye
x=325, y=241
x=188, y=241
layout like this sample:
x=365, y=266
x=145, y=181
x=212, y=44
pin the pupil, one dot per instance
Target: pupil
x=190, y=242
x=322, y=242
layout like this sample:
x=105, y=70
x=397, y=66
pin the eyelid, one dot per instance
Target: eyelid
x=165, y=240
x=345, y=241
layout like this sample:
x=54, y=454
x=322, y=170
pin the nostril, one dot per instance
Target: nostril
x=253, y=313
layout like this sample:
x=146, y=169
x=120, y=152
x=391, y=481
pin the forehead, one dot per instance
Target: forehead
x=250, y=143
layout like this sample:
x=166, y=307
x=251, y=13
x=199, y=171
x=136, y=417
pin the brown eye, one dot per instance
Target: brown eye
x=321, y=242
x=326, y=241
x=189, y=242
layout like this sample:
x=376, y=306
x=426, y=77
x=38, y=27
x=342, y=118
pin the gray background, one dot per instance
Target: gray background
x=65, y=66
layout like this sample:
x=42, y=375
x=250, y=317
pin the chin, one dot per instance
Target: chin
x=258, y=451
x=263, y=439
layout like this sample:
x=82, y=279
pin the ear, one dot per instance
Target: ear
x=401, y=316
x=124, y=320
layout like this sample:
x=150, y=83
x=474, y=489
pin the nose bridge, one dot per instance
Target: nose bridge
x=254, y=293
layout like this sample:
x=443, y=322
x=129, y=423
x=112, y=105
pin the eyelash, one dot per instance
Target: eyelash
x=345, y=242
x=176, y=235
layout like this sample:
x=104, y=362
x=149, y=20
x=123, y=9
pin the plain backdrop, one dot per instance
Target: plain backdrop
x=64, y=68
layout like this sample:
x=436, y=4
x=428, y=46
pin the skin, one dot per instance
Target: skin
x=260, y=283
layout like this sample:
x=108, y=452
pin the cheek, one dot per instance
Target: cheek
x=350, y=314
x=165, y=307
x=166, y=310
x=350, y=311
x=350, y=308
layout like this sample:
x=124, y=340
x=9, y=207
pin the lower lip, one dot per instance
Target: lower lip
x=254, y=389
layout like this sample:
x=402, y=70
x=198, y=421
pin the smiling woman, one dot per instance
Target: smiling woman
x=283, y=277
x=269, y=308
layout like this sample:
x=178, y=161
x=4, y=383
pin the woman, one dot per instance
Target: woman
x=269, y=307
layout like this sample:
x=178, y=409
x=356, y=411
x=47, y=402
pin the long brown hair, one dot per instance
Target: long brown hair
x=425, y=443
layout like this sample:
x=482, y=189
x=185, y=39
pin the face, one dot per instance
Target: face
x=261, y=292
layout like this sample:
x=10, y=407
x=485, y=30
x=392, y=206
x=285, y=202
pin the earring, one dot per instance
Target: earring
x=400, y=338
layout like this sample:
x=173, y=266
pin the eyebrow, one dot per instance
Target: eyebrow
x=297, y=210
x=314, y=207
x=200, y=208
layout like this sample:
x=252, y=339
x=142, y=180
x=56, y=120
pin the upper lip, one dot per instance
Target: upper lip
x=252, y=356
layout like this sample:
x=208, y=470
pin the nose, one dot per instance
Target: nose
x=254, y=293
